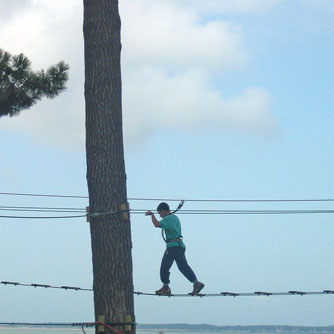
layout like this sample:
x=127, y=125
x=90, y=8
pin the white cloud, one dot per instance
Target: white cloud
x=154, y=100
x=43, y=36
x=170, y=57
x=226, y=6
x=8, y=9
x=164, y=36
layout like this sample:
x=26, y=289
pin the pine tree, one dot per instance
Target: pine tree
x=106, y=177
x=20, y=87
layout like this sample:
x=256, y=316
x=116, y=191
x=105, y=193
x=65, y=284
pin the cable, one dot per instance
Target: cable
x=41, y=208
x=178, y=200
x=219, y=294
x=242, y=294
x=41, y=195
x=142, y=211
x=51, y=324
x=96, y=214
x=42, y=217
x=46, y=286
x=185, y=212
x=242, y=212
x=67, y=324
x=233, y=200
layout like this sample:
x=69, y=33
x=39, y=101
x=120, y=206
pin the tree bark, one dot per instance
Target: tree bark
x=106, y=178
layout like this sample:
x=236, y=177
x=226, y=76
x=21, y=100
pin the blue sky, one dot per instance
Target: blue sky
x=232, y=100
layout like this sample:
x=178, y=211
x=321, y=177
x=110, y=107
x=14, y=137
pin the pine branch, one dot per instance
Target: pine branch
x=20, y=87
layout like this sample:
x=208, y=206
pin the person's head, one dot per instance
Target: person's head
x=163, y=209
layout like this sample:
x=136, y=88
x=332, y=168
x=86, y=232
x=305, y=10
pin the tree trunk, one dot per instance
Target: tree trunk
x=106, y=178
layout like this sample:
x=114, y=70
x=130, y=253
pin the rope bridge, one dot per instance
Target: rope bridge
x=218, y=294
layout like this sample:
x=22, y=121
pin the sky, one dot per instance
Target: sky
x=222, y=99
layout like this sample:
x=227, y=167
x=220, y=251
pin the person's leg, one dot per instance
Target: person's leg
x=166, y=264
x=183, y=265
x=185, y=269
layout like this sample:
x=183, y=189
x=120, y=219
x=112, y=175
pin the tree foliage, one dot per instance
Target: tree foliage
x=20, y=87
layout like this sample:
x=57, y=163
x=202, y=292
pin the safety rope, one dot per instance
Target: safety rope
x=96, y=323
x=174, y=211
x=219, y=294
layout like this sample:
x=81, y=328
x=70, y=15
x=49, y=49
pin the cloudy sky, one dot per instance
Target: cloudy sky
x=221, y=99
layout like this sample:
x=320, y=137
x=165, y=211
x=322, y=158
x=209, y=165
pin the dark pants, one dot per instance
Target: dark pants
x=175, y=254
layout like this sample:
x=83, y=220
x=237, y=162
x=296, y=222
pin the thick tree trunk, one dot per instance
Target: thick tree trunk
x=110, y=235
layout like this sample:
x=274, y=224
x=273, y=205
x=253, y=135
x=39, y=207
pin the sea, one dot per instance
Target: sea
x=89, y=330
x=41, y=330
x=74, y=330
x=78, y=330
x=44, y=330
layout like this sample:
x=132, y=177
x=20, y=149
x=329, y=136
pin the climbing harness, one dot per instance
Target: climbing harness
x=179, y=239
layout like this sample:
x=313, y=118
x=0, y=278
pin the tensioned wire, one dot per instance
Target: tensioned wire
x=218, y=294
x=175, y=199
x=81, y=212
x=142, y=211
x=40, y=209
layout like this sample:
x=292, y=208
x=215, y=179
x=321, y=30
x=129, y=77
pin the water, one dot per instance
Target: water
x=46, y=330
x=74, y=330
x=69, y=330
x=91, y=330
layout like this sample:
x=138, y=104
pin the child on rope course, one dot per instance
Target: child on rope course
x=175, y=250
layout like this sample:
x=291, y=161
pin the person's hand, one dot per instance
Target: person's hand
x=148, y=213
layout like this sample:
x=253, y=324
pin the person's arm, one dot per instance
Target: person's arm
x=154, y=220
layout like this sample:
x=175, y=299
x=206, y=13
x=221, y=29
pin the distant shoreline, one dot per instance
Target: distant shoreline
x=167, y=330
x=268, y=329
x=205, y=328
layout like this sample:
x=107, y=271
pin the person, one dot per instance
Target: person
x=175, y=250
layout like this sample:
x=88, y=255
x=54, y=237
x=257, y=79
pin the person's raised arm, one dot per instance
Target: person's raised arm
x=154, y=220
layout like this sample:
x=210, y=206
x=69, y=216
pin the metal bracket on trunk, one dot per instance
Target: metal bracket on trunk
x=87, y=214
x=100, y=328
x=128, y=319
x=124, y=209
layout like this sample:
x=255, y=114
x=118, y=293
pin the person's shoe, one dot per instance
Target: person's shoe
x=165, y=290
x=197, y=288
